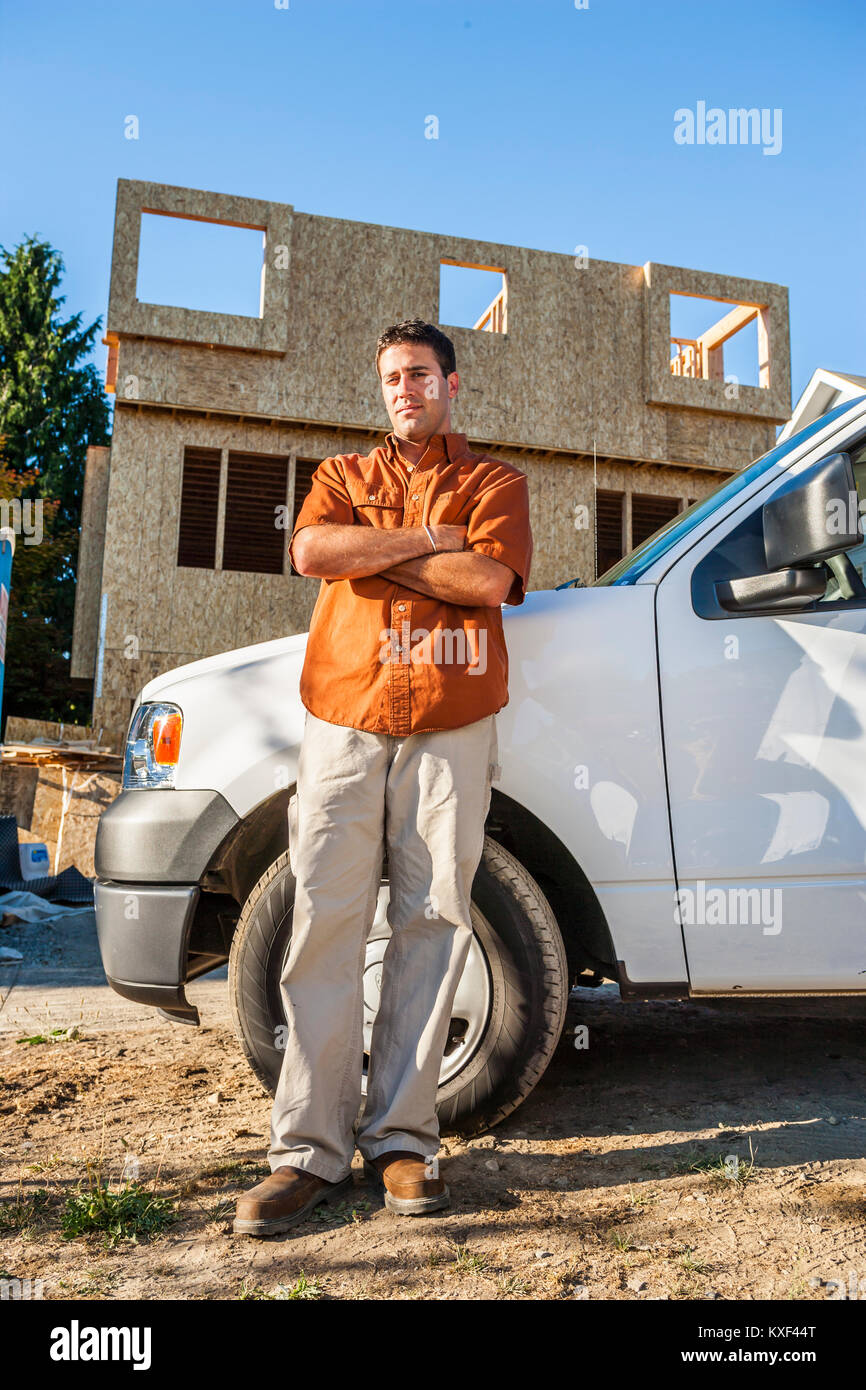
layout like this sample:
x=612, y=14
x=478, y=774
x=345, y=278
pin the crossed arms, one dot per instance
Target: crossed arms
x=328, y=550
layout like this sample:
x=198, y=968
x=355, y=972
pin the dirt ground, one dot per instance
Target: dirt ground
x=690, y=1151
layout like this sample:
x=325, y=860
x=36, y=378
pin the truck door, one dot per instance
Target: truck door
x=764, y=722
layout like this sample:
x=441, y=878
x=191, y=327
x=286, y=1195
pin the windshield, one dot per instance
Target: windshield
x=630, y=568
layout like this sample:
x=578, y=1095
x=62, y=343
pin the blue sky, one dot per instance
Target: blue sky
x=556, y=129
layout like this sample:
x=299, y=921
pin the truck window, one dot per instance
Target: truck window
x=630, y=569
x=857, y=556
x=741, y=553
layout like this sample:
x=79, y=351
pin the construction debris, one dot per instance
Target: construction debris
x=81, y=754
x=46, y=743
x=22, y=906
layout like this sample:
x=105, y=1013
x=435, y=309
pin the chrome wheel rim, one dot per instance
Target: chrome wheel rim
x=469, y=1012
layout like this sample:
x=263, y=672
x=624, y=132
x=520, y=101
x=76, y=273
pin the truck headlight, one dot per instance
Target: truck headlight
x=152, y=746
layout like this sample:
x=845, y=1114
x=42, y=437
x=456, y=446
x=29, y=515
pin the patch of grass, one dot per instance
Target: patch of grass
x=26, y=1211
x=721, y=1167
x=44, y=1165
x=687, y=1261
x=512, y=1286
x=302, y=1288
x=712, y=1166
x=223, y=1210
x=695, y=1162
x=94, y=1284
x=620, y=1241
x=565, y=1282
x=467, y=1263
x=56, y=1035
x=129, y=1212
x=642, y=1199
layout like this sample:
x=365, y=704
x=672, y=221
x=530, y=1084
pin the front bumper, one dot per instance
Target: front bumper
x=152, y=848
x=161, y=836
x=143, y=938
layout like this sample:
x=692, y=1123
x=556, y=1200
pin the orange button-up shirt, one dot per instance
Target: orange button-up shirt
x=381, y=656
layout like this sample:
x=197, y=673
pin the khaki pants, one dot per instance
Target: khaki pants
x=424, y=798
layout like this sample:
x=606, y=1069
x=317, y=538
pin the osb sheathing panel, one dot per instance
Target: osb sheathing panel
x=581, y=366
x=113, y=711
x=21, y=730
x=18, y=784
x=90, y=551
x=564, y=550
x=772, y=403
x=701, y=438
x=615, y=360
x=35, y=796
x=86, y=795
x=127, y=314
x=613, y=421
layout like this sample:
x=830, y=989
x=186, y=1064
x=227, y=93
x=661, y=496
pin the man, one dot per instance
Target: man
x=417, y=546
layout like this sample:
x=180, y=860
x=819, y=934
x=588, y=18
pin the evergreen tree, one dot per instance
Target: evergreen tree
x=51, y=407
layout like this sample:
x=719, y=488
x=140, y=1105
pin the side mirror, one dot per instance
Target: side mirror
x=809, y=520
x=813, y=516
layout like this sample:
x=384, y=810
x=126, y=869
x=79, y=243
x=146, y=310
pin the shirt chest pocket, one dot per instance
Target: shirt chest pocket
x=376, y=504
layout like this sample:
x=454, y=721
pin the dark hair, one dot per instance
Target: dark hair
x=417, y=331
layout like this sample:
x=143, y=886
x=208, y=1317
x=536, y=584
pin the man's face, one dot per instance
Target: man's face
x=417, y=396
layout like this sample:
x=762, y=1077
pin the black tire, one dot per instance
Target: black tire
x=525, y=959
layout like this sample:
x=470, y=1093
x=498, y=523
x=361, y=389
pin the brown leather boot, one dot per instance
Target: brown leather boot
x=283, y=1200
x=400, y=1175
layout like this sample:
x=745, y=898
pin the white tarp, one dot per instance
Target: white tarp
x=21, y=906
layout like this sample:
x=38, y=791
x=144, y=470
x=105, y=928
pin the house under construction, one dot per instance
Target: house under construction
x=570, y=372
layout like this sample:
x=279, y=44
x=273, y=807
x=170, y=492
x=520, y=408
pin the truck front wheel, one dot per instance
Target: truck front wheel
x=508, y=1012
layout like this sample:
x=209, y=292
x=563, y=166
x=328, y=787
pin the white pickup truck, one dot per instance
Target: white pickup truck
x=682, y=805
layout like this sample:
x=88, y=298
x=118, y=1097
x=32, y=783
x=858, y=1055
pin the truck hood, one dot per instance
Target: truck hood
x=242, y=719
x=576, y=659
x=285, y=655
x=160, y=686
